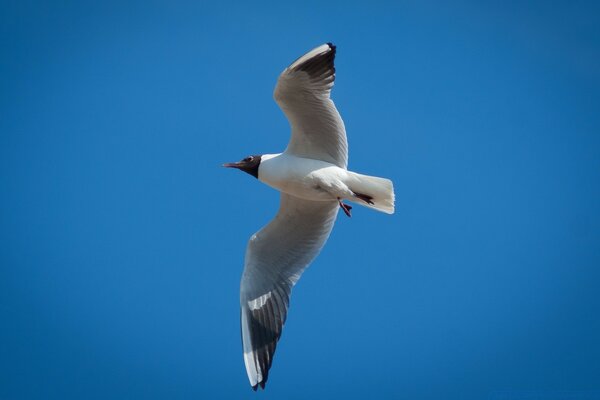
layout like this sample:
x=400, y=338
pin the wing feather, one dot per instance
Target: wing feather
x=303, y=93
x=276, y=256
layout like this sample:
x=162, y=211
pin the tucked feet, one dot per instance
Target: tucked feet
x=364, y=197
x=345, y=207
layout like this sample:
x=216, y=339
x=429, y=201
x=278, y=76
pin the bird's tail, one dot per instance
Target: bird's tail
x=373, y=192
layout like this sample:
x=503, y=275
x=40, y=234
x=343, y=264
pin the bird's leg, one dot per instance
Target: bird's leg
x=364, y=197
x=345, y=207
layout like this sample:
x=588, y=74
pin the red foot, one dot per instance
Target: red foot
x=346, y=208
x=365, y=197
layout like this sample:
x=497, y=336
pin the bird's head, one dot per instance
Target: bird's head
x=249, y=164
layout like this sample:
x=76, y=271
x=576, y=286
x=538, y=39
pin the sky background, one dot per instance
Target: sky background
x=122, y=238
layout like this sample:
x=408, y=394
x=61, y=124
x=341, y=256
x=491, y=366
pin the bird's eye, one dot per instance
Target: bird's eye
x=248, y=159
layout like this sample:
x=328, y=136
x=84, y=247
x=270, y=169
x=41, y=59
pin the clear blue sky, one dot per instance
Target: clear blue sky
x=122, y=238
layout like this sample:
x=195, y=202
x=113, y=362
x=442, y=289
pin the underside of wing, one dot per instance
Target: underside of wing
x=303, y=93
x=275, y=258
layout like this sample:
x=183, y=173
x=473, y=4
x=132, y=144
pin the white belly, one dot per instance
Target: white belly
x=303, y=177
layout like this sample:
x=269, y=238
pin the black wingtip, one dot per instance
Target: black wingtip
x=319, y=66
x=261, y=384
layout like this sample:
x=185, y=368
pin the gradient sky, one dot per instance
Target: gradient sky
x=122, y=238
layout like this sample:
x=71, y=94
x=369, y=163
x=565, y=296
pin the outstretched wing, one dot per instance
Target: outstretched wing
x=302, y=92
x=275, y=258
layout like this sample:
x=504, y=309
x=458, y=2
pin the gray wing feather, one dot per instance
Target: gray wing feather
x=303, y=93
x=276, y=256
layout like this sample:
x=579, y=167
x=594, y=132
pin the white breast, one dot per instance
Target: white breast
x=303, y=177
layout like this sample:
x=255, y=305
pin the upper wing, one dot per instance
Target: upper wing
x=275, y=258
x=302, y=92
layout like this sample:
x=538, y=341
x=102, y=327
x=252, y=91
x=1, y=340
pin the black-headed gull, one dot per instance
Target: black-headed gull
x=313, y=179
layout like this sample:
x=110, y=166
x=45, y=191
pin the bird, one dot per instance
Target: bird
x=314, y=183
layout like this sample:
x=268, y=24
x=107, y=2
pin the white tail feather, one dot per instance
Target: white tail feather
x=380, y=189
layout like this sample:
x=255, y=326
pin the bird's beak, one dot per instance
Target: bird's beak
x=232, y=165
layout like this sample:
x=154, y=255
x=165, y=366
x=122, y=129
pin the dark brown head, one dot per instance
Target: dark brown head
x=249, y=164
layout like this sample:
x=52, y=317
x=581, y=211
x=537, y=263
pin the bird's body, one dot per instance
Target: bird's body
x=310, y=179
x=302, y=177
x=313, y=179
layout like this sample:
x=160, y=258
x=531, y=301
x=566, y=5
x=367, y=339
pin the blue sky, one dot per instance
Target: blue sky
x=123, y=239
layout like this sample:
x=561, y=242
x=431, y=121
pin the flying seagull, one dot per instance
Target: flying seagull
x=314, y=181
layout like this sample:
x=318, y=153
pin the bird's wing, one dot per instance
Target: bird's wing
x=276, y=256
x=302, y=92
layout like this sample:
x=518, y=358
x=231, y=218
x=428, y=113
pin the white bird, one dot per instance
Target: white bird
x=313, y=179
